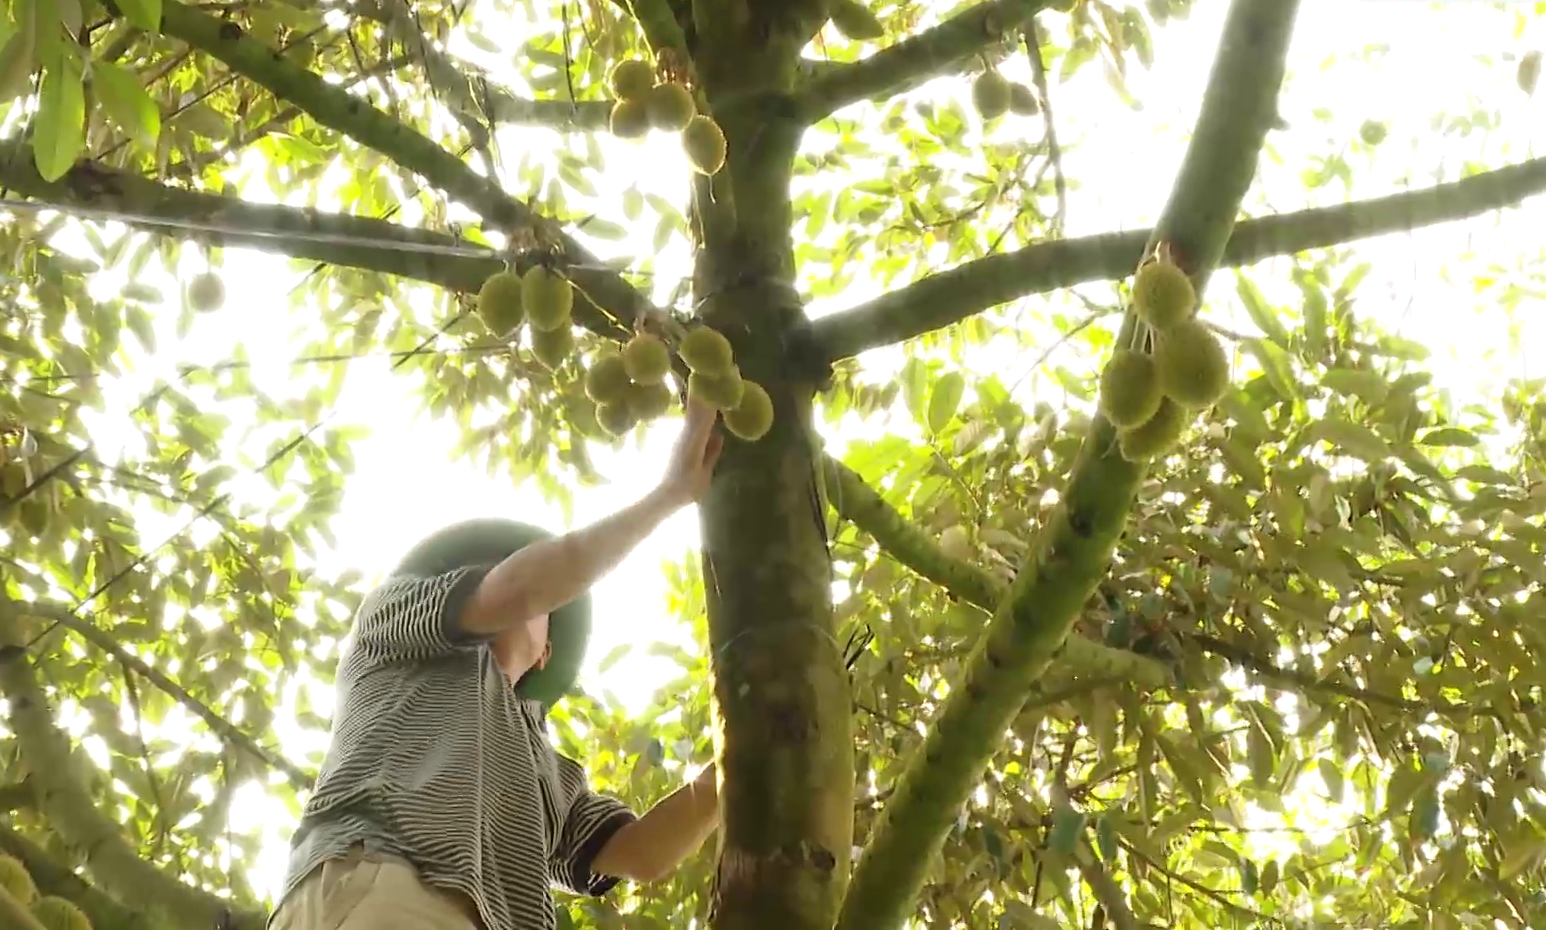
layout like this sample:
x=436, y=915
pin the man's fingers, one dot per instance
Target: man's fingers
x=716, y=444
x=700, y=421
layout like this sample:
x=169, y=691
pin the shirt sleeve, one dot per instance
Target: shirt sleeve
x=413, y=619
x=590, y=821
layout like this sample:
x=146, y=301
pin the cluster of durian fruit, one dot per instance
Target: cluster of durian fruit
x=627, y=385
x=993, y=95
x=544, y=298
x=644, y=104
x=1152, y=396
x=50, y=912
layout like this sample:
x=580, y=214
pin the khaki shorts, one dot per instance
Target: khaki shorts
x=372, y=891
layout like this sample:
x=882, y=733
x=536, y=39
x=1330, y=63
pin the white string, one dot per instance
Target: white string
x=469, y=250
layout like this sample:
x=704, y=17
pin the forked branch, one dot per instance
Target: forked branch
x=915, y=60
x=855, y=500
x=376, y=129
x=951, y=296
x=1073, y=551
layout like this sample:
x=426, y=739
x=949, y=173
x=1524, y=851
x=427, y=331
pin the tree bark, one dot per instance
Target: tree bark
x=783, y=711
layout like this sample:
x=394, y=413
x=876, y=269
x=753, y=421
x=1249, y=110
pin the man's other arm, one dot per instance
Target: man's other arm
x=651, y=848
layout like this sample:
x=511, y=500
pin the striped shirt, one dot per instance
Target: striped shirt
x=434, y=758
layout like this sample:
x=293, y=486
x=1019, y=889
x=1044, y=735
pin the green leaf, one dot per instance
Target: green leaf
x=613, y=656
x=1483, y=474
x=201, y=119
x=1020, y=916
x=1106, y=839
x=1250, y=878
x=59, y=129
x=1369, y=386
x=1265, y=318
x=68, y=16
x=1332, y=776
x=1404, y=348
x=1521, y=852
x=145, y=293
x=18, y=61
x=1276, y=366
x=145, y=14
x=1269, y=876
x=138, y=320
x=1528, y=72
x=1261, y=755
x=1314, y=319
x=298, y=148
x=1448, y=436
x=1351, y=438
x=945, y=400
x=598, y=228
x=1425, y=814
x=126, y=103
x=1067, y=824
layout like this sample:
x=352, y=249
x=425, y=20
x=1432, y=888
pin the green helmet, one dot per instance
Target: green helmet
x=488, y=541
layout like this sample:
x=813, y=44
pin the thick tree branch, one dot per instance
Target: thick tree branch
x=1073, y=551
x=339, y=110
x=950, y=296
x=71, y=810
x=460, y=92
x=904, y=541
x=915, y=60
x=55, y=879
x=335, y=238
x=13, y=916
x=660, y=27
x=17, y=796
x=194, y=165
x=300, y=779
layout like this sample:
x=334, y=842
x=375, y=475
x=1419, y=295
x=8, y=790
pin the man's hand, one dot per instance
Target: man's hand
x=707, y=780
x=651, y=848
x=691, y=468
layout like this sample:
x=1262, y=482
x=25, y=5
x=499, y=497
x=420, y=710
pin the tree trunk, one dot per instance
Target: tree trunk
x=781, y=695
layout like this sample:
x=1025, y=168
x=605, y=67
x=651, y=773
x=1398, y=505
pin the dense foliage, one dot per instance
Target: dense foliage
x=1303, y=692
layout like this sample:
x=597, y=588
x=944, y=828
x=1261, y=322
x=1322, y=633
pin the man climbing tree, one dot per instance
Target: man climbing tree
x=1219, y=521
x=441, y=803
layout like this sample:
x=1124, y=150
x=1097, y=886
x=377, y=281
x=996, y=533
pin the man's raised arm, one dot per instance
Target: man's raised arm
x=545, y=576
